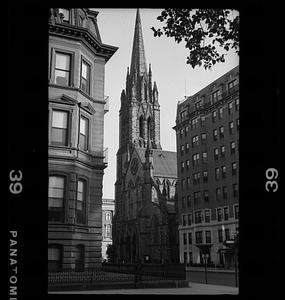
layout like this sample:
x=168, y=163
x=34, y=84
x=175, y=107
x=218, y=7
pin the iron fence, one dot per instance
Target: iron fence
x=109, y=274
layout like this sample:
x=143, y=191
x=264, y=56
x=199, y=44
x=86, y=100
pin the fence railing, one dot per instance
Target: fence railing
x=110, y=273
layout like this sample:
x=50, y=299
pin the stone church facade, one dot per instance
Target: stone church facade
x=145, y=222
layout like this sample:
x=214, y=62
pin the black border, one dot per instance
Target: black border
x=26, y=69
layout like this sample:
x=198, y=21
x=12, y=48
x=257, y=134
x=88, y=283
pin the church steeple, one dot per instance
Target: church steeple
x=138, y=63
x=140, y=111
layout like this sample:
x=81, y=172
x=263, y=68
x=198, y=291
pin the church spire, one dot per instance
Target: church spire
x=138, y=63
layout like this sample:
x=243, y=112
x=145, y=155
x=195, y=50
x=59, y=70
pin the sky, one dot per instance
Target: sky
x=175, y=79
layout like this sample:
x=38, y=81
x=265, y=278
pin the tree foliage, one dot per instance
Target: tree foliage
x=206, y=33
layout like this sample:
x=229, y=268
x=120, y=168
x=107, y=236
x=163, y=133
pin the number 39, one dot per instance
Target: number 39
x=16, y=187
x=271, y=185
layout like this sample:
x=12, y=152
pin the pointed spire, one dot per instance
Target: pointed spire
x=138, y=63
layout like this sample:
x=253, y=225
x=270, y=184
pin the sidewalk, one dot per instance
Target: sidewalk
x=193, y=289
x=217, y=270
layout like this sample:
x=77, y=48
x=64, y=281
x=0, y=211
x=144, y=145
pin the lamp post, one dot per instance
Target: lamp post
x=205, y=249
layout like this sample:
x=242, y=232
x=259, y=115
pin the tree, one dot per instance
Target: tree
x=202, y=30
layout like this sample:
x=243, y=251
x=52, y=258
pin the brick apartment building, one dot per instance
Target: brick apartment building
x=207, y=135
x=76, y=157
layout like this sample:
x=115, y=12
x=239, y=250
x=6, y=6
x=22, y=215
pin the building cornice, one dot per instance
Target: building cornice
x=85, y=36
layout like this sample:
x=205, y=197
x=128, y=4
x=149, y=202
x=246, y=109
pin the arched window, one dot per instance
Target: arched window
x=141, y=126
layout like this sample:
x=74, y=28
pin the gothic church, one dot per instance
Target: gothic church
x=145, y=222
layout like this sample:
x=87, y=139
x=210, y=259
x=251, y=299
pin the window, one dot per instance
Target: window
x=54, y=258
x=198, y=105
x=231, y=127
x=187, y=164
x=108, y=216
x=183, y=202
x=62, y=69
x=59, y=132
x=83, y=136
x=187, y=182
x=227, y=234
x=184, y=223
x=188, y=201
x=217, y=173
x=182, y=184
x=214, y=116
x=221, y=110
x=207, y=216
x=235, y=190
x=233, y=147
x=216, y=153
x=181, y=149
x=224, y=171
x=231, y=85
x=237, y=124
x=215, y=134
x=65, y=14
x=220, y=235
x=205, y=176
x=234, y=168
x=190, y=238
x=79, y=258
x=196, y=178
x=237, y=104
x=85, y=77
x=56, y=192
x=186, y=130
x=199, y=237
x=81, y=202
x=216, y=96
x=219, y=214
x=197, y=196
x=203, y=138
x=189, y=219
x=230, y=108
x=208, y=236
x=195, y=159
x=218, y=194
x=221, y=129
x=184, y=239
x=223, y=151
x=183, y=115
x=206, y=195
x=182, y=166
x=194, y=123
x=204, y=157
x=203, y=121
x=198, y=217
x=187, y=147
x=195, y=140
x=181, y=132
x=225, y=193
x=236, y=208
x=226, y=213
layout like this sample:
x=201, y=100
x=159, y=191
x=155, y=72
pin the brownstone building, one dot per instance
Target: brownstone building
x=207, y=135
x=145, y=227
x=77, y=105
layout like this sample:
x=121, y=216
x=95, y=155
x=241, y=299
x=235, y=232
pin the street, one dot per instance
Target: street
x=218, y=278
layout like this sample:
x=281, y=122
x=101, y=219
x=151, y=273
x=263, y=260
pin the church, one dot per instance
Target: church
x=145, y=225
